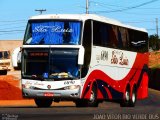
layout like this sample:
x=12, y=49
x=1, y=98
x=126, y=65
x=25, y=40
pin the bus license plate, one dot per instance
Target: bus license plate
x=48, y=94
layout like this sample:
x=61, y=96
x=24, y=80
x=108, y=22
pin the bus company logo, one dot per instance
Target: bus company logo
x=49, y=86
x=119, y=58
x=43, y=29
x=28, y=83
x=104, y=55
x=123, y=60
x=114, y=59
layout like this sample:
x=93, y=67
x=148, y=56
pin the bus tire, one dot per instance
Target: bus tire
x=93, y=102
x=126, y=99
x=133, y=98
x=43, y=102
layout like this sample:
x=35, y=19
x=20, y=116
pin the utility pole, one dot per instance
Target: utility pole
x=157, y=26
x=87, y=6
x=40, y=10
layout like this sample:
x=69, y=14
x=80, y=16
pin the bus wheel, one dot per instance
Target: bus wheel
x=43, y=102
x=133, y=98
x=125, y=101
x=92, y=102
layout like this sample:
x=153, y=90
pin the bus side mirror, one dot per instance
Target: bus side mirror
x=81, y=56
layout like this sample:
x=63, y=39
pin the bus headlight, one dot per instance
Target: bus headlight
x=72, y=87
x=28, y=86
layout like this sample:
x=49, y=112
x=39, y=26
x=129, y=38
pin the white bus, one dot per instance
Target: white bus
x=83, y=58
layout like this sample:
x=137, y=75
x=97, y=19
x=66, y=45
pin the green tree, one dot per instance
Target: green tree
x=154, y=42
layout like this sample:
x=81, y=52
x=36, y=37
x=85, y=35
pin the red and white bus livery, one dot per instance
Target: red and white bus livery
x=84, y=58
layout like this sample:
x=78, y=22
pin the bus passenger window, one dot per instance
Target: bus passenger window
x=100, y=34
x=114, y=37
x=96, y=33
x=120, y=43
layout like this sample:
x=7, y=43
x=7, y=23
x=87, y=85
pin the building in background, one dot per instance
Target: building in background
x=10, y=45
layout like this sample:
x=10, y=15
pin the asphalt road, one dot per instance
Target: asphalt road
x=144, y=110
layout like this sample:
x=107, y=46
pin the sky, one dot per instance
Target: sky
x=139, y=13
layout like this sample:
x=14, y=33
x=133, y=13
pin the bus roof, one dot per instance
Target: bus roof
x=84, y=17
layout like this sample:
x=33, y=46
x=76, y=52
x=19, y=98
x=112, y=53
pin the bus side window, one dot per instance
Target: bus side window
x=142, y=42
x=113, y=36
x=101, y=34
x=104, y=33
x=138, y=41
x=97, y=34
x=120, y=38
x=145, y=37
x=87, y=46
x=126, y=44
x=131, y=41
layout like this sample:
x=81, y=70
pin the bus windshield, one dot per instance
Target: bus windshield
x=40, y=32
x=50, y=63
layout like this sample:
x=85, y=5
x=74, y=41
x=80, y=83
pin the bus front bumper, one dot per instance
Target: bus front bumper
x=60, y=94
